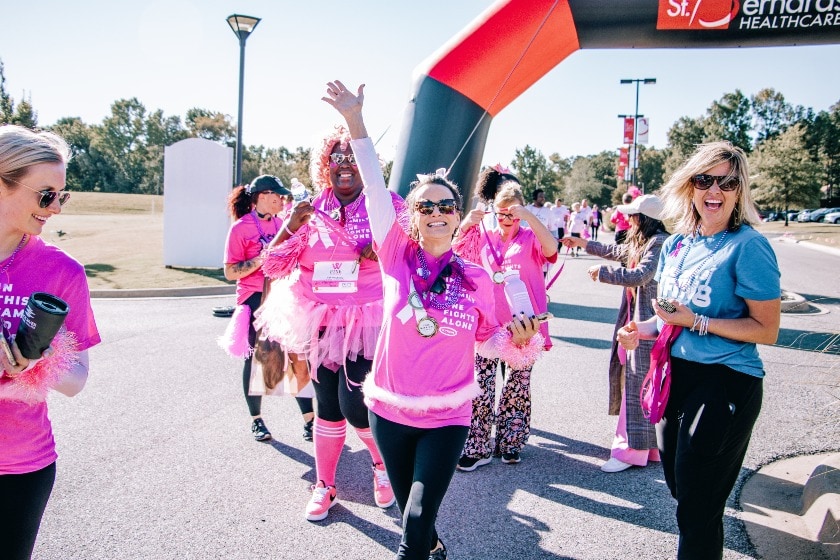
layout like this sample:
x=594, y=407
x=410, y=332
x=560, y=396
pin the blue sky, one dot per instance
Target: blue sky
x=76, y=58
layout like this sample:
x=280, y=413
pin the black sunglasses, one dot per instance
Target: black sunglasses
x=704, y=182
x=439, y=285
x=47, y=195
x=426, y=207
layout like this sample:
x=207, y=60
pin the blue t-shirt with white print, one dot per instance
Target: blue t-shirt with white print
x=713, y=276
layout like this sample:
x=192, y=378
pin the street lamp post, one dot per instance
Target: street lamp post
x=242, y=27
x=636, y=116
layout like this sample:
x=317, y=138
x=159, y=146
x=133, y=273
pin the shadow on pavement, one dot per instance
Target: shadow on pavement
x=809, y=341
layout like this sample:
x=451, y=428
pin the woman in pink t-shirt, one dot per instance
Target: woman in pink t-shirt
x=32, y=179
x=254, y=208
x=507, y=252
x=438, y=312
x=326, y=306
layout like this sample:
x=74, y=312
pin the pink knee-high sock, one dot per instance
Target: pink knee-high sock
x=329, y=440
x=367, y=438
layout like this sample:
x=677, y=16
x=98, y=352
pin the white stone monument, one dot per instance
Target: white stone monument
x=197, y=178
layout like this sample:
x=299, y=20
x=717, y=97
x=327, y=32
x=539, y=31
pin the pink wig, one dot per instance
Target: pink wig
x=319, y=164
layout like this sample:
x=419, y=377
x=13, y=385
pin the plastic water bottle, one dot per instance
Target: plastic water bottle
x=299, y=192
x=517, y=295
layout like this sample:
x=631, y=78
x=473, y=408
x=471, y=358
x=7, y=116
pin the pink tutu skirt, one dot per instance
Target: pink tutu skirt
x=327, y=334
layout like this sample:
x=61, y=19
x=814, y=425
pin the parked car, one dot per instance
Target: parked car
x=819, y=215
x=832, y=217
x=804, y=215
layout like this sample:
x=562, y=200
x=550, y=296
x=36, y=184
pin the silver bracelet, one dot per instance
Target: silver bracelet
x=704, y=326
x=697, y=320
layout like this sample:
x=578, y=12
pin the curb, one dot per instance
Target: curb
x=196, y=291
x=791, y=507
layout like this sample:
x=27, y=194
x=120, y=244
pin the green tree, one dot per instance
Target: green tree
x=771, y=114
x=211, y=125
x=824, y=142
x=23, y=114
x=730, y=119
x=683, y=138
x=121, y=140
x=534, y=172
x=787, y=176
x=7, y=104
x=587, y=181
x=82, y=168
x=651, y=173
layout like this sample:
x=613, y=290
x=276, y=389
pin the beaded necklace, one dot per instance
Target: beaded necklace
x=340, y=213
x=264, y=238
x=683, y=287
x=452, y=295
x=11, y=257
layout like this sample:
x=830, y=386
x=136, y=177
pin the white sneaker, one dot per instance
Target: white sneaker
x=614, y=465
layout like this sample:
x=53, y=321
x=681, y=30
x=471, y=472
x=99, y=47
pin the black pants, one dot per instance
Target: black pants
x=702, y=441
x=620, y=236
x=23, y=499
x=420, y=463
x=338, y=399
x=254, y=402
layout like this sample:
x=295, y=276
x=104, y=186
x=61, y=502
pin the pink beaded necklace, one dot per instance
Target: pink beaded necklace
x=11, y=258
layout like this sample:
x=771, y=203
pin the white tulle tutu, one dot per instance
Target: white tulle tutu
x=327, y=334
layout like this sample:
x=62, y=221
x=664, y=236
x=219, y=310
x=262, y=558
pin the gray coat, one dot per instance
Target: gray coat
x=642, y=287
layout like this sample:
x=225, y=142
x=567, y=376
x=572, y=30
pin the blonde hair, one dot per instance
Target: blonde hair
x=678, y=193
x=510, y=193
x=21, y=148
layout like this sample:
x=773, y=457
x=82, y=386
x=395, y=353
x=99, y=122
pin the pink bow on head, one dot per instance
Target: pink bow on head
x=502, y=169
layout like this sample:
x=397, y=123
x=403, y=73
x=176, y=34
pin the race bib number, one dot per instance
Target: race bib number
x=336, y=277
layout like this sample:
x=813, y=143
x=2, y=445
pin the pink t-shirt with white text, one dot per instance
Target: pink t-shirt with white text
x=331, y=242
x=524, y=255
x=246, y=239
x=440, y=365
x=26, y=438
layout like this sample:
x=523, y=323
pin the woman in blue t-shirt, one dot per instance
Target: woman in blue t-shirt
x=718, y=281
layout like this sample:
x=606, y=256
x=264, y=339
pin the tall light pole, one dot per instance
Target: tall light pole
x=242, y=27
x=636, y=116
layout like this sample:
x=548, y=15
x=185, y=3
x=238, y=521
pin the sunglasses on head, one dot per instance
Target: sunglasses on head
x=704, y=182
x=47, y=195
x=338, y=159
x=439, y=285
x=427, y=207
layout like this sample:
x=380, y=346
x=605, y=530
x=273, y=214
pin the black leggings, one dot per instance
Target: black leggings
x=23, y=499
x=703, y=439
x=254, y=402
x=338, y=399
x=420, y=463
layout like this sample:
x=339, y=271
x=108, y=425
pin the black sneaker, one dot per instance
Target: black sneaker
x=467, y=464
x=511, y=458
x=307, y=430
x=439, y=554
x=259, y=430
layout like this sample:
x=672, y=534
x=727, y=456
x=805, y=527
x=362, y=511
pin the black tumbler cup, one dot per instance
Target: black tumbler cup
x=43, y=316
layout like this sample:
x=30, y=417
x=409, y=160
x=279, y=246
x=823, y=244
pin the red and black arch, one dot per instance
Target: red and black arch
x=458, y=91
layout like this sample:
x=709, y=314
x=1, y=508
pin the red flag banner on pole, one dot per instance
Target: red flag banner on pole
x=622, y=155
x=628, y=130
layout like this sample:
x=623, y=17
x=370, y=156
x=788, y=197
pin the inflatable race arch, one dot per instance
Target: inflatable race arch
x=459, y=89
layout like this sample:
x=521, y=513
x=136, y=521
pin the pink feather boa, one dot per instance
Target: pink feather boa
x=468, y=245
x=235, y=339
x=501, y=345
x=283, y=259
x=32, y=386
